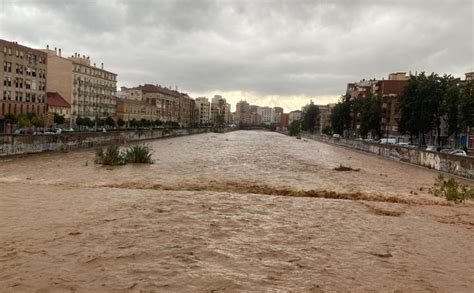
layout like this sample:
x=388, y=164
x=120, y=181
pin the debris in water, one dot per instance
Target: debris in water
x=346, y=168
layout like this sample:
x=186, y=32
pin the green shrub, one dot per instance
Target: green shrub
x=111, y=156
x=138, y=154
x=452, y=190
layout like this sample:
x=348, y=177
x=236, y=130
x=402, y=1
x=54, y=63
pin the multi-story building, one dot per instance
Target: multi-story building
x=294, y=116
x=203, y=109
x=58, y=105
x=22, y=81
x=220, y=111
x=89, y=89
x=242, y=113
x=325, y=116
x=171, y=105
x=268, y=115
x=283, y=120
x=389, y=90
x=130, y=109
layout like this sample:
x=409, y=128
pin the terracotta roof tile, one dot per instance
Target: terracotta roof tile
x=56, y=100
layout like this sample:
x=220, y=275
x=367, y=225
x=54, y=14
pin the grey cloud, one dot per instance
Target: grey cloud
x=267, y=47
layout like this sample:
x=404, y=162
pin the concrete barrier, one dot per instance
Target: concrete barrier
x=457, y=165
x=11, y=145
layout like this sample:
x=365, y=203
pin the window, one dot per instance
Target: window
x=19, y=69
x=7, y=66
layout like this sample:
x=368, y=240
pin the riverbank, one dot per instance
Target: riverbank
x=452, y=164
x=13, y=145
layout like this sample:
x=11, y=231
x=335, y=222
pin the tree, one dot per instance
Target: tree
x=58, y=119
x=341, y=115
x=109, y=121
x=369, y=111
x=10, y=118
x=37, y=122
x=120, y=122
x=451, y=108
x=327, y=130
x=23, y=121
x=294, y=128
x=310, y=118
x=158, y=122
x=466, y=105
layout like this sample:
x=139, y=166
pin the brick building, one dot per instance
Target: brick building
x=22, y=81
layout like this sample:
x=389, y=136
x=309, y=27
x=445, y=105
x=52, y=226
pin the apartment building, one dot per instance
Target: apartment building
x=242, y=113
x=22, y=81
x=89, y=89
x=294, y=116
x=129, y=109
x=203, y=109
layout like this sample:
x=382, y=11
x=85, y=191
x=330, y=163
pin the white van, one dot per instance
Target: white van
x=388, y=141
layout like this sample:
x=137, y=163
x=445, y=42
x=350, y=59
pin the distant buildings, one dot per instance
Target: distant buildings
x=242, y=113
x=155, y=102
x=203, y=110
x=22, y=81
x=89, y=89
x=294, y=116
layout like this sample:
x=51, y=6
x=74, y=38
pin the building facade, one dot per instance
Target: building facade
x=90, y=90
x=294, y=116
x=58, y=105
x=22, y=81
x=203, y=109
x=242, y=113
x=130, y=109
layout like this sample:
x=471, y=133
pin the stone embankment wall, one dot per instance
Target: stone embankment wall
x=457, y=165
x=25, y=144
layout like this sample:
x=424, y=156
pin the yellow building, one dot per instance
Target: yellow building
x=128, y=109
x=90, y=90
x=58, y=105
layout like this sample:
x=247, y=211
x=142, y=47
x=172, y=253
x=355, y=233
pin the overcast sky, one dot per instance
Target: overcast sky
x=275, y=53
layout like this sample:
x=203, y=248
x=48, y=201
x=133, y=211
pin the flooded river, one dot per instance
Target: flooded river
x=240, y=211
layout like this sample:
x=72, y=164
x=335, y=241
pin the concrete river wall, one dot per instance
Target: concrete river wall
x=457, y=165
x=11, y=145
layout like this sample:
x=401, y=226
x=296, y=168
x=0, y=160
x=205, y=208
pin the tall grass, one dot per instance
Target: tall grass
x=138, y=153
x=452, y=190
x=113, y=156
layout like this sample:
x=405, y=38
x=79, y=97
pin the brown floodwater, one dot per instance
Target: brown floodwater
x=240, y=211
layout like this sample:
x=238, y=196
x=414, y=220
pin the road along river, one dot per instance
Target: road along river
x=240, y=211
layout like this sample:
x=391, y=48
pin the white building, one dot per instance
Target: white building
x=294, y=115
x=267, y=113
x=204, y=107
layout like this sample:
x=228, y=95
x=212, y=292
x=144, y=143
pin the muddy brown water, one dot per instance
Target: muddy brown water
x=241, y=211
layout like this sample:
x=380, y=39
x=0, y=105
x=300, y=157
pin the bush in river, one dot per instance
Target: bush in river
x=113, y=156
x=138, y=154
x=452, y=190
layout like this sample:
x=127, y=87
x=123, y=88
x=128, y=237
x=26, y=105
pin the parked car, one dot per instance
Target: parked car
x=404, y=144
x=52, y=131
x=388, y=141
x=458, y=152
x=23, y=131
x=446, y=151
x=432, y=148
x=335, y=135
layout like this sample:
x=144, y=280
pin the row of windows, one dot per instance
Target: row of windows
x=20, y=69
x=27, y=84
x=20, y=109
x=22, y=97
x=32, y=58
x=94, y=72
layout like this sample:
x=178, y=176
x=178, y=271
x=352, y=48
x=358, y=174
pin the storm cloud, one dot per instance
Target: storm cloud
x=280, y=53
